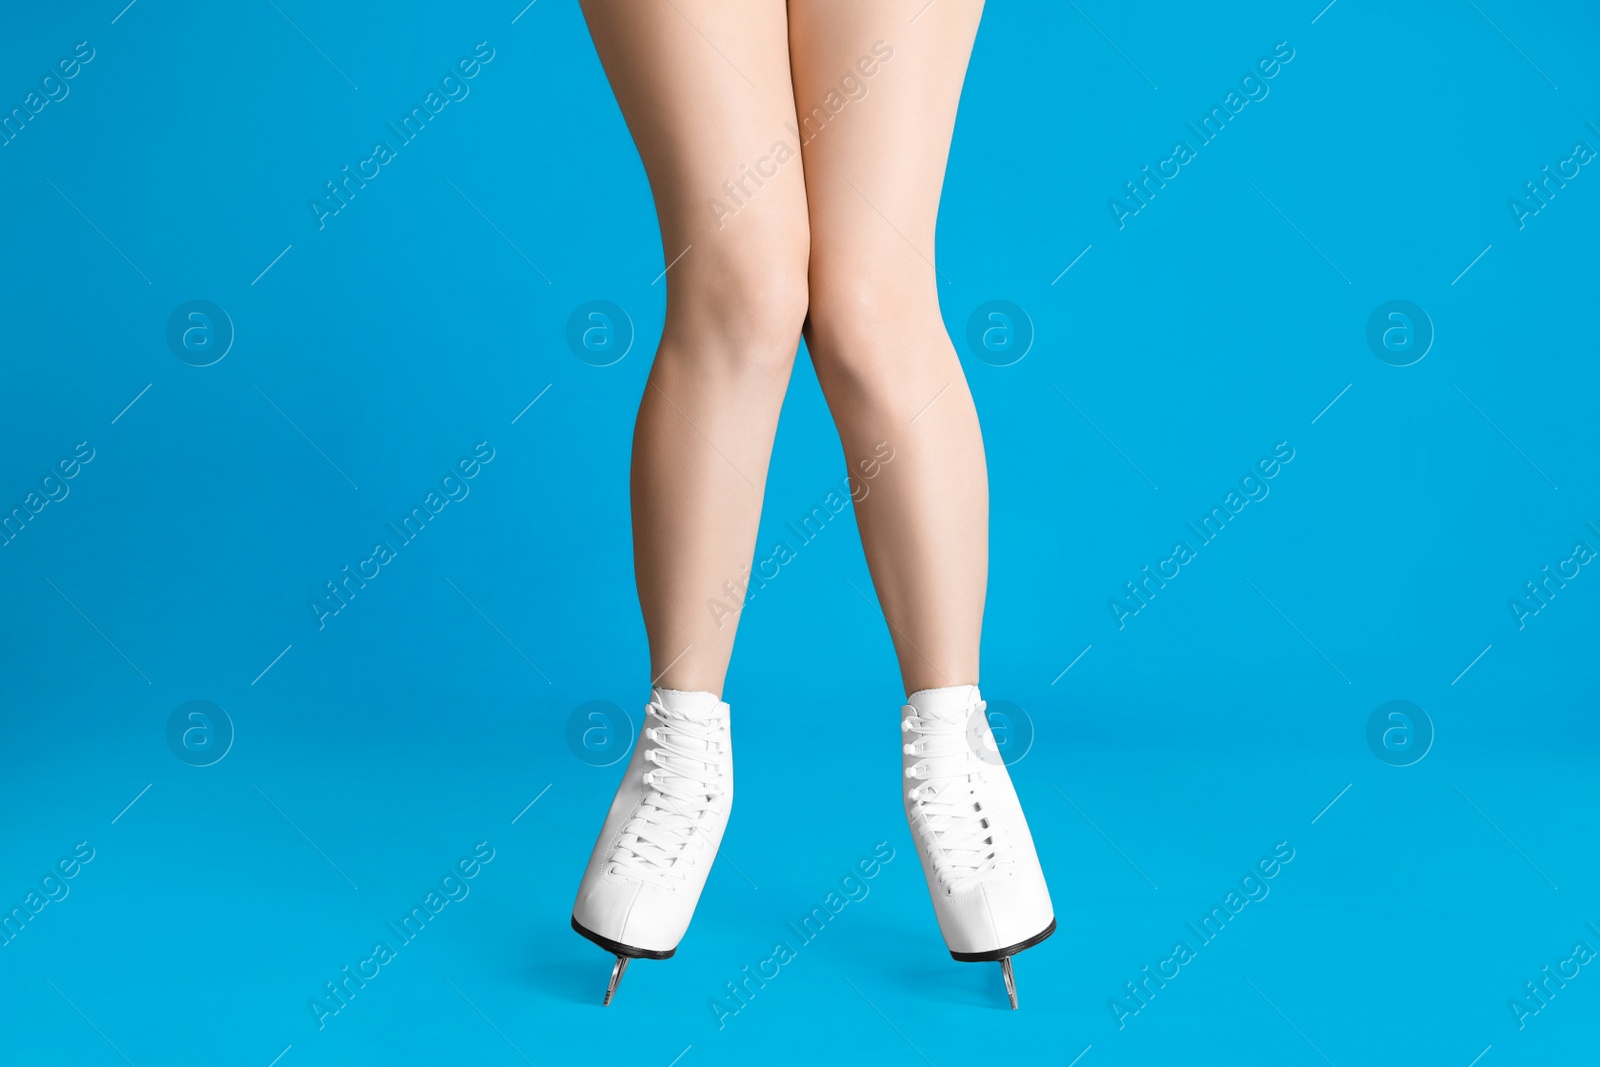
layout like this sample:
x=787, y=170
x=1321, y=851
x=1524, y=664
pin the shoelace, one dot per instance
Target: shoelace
x=683, y=785
x=965, y=846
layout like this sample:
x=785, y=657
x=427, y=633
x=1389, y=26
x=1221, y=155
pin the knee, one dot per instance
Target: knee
x=740, y=306
x=845, y=305
x=870, y=329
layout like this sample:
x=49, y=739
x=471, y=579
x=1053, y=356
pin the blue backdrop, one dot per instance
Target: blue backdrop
x=1369, y=273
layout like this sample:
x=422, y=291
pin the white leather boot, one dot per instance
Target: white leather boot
x=665, y=825
x=977, y=854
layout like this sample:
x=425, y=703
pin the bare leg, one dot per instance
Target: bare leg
x=874, y=171
x=873, y=177
x=705, y=87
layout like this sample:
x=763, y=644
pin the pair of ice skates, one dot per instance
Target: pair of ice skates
x=666, y=822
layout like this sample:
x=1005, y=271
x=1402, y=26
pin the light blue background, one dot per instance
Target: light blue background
x=1172, y=756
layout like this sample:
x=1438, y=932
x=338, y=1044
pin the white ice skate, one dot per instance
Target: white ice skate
x=983, y=874
x=665, y=825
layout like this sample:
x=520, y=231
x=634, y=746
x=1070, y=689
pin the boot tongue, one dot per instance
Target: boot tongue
x=952, y=704
x=698, y=707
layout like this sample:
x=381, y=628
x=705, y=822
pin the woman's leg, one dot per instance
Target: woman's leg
x=874, y=170
x=705, y=88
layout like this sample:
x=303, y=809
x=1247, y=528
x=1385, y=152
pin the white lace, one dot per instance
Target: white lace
x=683, y=789
x=966, y=849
